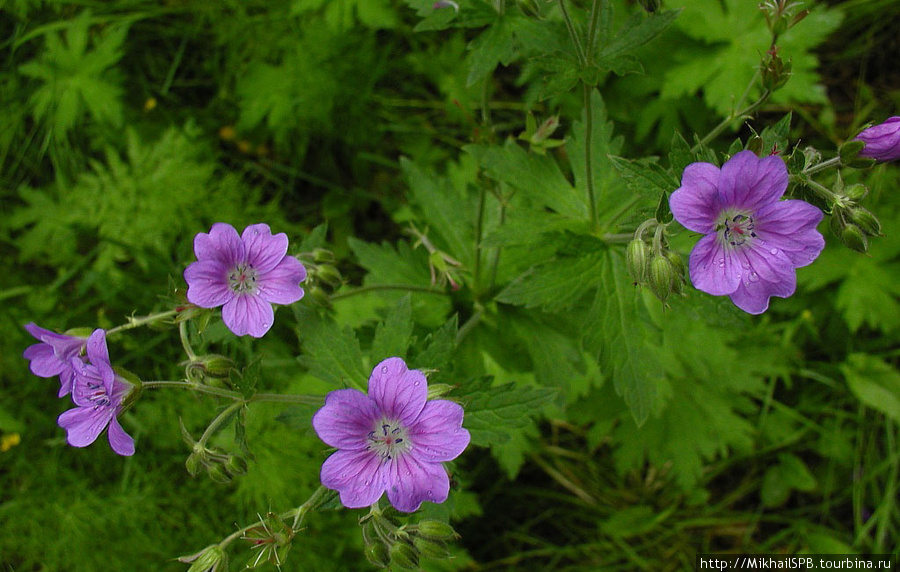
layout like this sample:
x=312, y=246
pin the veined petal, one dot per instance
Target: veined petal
x=97, y=351
x=713, y=269
x=84, y=424
x=346, y=419
x=748, y=182
x=753, y=298
x=791, y=226
x=411, y=480
x=437, y=434
x=281, y=284
x=769, y=262
x=696, y=205
x=398, y=391
x=356, y=475
x=120, y=441
x=264, y=251
x=222, y=244
x=248, y=314
x=207, y=282
x=44, y=362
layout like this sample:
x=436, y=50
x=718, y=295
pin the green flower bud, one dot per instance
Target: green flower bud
x=194, y=464
x=322, y=255
x=636, y=256
x=218, y=474
x=404, y=556
x=866, y=221
x=210, y=559
x=856, y=192
x=236, y=466
x=837, y=223
x=328, y=274
x=377, y=555
x=432, y=548
x=215, y=365
x=436, y=529
x=775, y=71
x=662, y=277
x=436, y=390
x=854, y=238
x=319, y=295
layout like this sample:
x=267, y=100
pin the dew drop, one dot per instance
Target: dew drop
x=408, y=473
x=774, y=251
x=430, y=493
x=416, y=384
x=754, y=277
x=721, y=264
x=343, y=475
x=384, y=369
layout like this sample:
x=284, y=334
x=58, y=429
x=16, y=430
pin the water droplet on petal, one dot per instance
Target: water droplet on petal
x=774, y=251
x=754, y=277
x=408, y=473
x=343, y=475
x=384, y=369
x=430, y=493
x=416, y=384
x=721, y=264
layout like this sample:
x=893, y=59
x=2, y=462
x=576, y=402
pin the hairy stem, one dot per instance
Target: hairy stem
x=142, y=321
x=218, y=421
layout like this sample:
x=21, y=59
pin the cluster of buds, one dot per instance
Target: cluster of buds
x=782, y=15
x=775, y=72
x=444, y=268
x=219, y=465
x=270, y=539
x=850, y=222
x=211, y=559
x=653, y=264
x=322, y=276
x=212, y=369
x=538, y=137
x=388, y=543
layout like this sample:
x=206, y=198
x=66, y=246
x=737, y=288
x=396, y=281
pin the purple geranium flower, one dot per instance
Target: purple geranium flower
x=882, y=140
x=98, y=393
x=390, y=440
x=753, y=241
x=245, y=274
x=53, y=355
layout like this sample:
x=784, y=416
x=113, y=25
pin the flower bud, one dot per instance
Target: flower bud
x=194, y=464
x=851, y=149
x=436, y=529
x=210, y=559
x=404, y=556
x=328, y=274
x=854, y=238
x=865, y=220
x=436, y=390
x=837, y=221
x=322, y=255
x=236, y=466
x=218, y=474
x=775, y=71
x=856, y=192
x=636, y=256
x=431, y=548
x=662, y=277
x=377, y=555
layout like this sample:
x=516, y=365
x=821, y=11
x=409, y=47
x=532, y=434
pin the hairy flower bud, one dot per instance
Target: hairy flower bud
x=218, y=474
x=210, y=559
x=236, y=466
x=854, y=238
x=377, y=555
x=865, y=220
x=636, y=260
x=404, y=556
x=856, y=192
x=662, y=277
x=775, y=71
x=436, y=529
x=432, y=548
x=194, y=464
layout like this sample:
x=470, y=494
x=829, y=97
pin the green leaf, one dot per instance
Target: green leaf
x=394, y=335
x=493, y=411
x=631, y=521
x=779, y=480
x=618, y=328
x=494, y=46
x=438, y=350
x=646, y=176
x=556, y=285
x=331, y=353
x=875, y=383
x=637, y=31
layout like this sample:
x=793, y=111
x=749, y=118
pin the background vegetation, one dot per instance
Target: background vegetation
x=128, y=126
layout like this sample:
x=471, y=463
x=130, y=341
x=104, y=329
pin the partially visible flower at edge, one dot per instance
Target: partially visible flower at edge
x=98, y=394
x=245, y=275
x=53, y=355
x=392, y=440
x=754, y=240
x=882, y=140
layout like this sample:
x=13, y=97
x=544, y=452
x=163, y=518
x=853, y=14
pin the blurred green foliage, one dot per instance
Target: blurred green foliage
x=608, y=432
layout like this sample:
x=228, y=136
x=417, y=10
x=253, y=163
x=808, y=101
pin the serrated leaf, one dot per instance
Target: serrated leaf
x=492, y=47
x=393, y=336
x=775, y=138
x=438, y=349
x=875, y=383
x=556, y=285
x=331, y=353
x=645, y=176
x=492, y=411
x=618, y=328
x=637, y=31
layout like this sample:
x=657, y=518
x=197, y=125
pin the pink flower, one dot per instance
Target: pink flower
x=53, y=355
x=245, y=275
x=882, y=140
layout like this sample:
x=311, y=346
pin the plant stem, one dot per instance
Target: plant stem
x=833, y=162
x=185, y=342
x=137, y=322
x=377, y=287
x=588, y=151
x=592, y=30
x=479, y=229
x=819, y=189
x=297, y=514
x=287, y=398
x=218, y=421
x=218, y=392
x=718, y=129
x=579, y=51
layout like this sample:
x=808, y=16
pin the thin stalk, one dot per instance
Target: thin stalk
x=718, y=129
x=588, y=151
x=833, y=162
x=496, y=261
x=819, y=189
x=218, y=392
x=138, y=322
x=592, y=30
x=287, y=398
x=377, y=287
x=479, y=229
x=573, y=35
x=218, y=421
x=297, y=514
x=185, y=342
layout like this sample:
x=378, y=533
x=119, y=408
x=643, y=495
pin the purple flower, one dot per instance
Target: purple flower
x=753, y=241
x=882, y=140
x=98, y=393
x=53, y=355
x=245, y=274
x=390, y=440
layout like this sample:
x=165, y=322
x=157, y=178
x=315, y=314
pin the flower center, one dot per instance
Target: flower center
x=98, y=395
x=388, y=439
x=737, y=229
x=242, y=279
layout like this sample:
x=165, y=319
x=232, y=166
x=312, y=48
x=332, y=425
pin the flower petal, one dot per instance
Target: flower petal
x=264, y=250
x=411, y=480
x=437, y=433
x=207, y=282
x=695, y=204
x=791, y=226
x=97, y=351
x=222, y=244
x=882, y=140
x=248, y=314
x=713, y=269
x=84, y=424
x=281, y=284
x=44, y=362
x=753, y=298
x=748, y=182
x=763, y=260
x=398, y=391
x=356, y=475
x=120, y=441
x=346, y=419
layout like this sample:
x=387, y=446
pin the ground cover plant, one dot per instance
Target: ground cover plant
x=453, y=285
